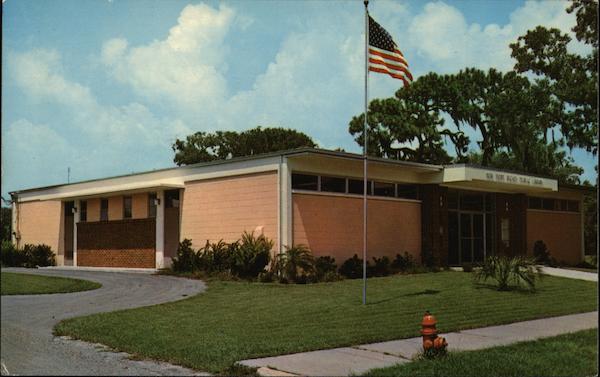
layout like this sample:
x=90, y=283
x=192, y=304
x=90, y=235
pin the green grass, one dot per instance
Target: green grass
x=565, y=355
x=28, y=284
x=233, y=321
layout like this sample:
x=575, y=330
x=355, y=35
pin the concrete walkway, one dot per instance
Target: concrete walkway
x=573, y=274
x=29, y=348
x=359, y=359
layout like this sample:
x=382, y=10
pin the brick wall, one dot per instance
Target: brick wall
x=333, y=226
x=118, y=243
x=131, y=258
x=224, y=208
x=40, y=222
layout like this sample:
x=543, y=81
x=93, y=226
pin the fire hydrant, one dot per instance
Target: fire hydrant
x=429, y=332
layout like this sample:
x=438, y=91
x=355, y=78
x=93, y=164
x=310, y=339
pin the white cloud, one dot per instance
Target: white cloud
x=442, y=37
x=38, y=72
x=187, y=67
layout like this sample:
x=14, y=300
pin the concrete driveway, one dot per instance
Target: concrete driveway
x=27, y=343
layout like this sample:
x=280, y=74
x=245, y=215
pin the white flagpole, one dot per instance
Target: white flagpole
x=365, y=140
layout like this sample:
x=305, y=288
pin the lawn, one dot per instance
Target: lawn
x=233, y=321
x=565, y=355
x=28, y=284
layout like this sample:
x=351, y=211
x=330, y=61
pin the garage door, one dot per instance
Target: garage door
x=118, y=243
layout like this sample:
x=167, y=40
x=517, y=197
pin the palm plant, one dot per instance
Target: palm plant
x=295, y=262
x=508, y=272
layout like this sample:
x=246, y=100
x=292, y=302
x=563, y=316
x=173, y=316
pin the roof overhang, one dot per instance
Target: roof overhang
x=99, y=191
x=476, y=178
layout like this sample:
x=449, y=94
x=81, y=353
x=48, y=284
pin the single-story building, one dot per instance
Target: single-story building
x=457, y=213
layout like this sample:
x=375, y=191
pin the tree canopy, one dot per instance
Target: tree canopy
x=221, y=145
x=524, y=118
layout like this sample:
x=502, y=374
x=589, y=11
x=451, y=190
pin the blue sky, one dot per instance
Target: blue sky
x=105, y=87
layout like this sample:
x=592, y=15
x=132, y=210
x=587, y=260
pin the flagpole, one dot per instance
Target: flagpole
x=365, y=140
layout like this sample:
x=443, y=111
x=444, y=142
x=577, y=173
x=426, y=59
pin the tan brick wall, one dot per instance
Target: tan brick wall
x=224, y=208
x=333, y=225
x=93, y=209
x=41, y=223
x=115, y=208
x=139, y=206
x=130, y=258
x=560, y=231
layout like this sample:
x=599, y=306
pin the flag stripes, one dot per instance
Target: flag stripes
x=384, y=55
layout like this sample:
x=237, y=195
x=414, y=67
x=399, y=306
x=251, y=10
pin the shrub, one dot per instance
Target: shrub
x=251, y=255
x=325, y=268
x=380, y=267
x=39, y=255
x=541, y=253
x=29, y=256
x=11, y=256
x=295, y=265
x=589, y=261
x=509, y=272
x=352, y=268
x=187, y=259
x=403, y=263
x=216, y=257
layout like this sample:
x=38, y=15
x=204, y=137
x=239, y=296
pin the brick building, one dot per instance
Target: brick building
x=456, y=213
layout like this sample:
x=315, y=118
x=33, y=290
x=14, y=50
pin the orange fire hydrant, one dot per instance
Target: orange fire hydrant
x=429, y=332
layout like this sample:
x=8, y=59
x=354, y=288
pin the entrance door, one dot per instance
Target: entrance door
x=471, y=237
x=68, y=234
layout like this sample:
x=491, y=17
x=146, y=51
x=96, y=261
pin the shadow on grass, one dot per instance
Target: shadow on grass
x=420, y=293
x=510, y=289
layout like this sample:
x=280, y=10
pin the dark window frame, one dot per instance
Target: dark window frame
x=104, y=209
x=333, y=178
x=127, y=210
x=83, y=210
x=306, y=175
x=152, y=207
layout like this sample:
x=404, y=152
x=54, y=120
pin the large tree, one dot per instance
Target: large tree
x=221, y=145
x=571, y=79
x=409, y=126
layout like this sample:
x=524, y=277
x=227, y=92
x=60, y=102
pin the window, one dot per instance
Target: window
x=356, y=186
x=305, y=182
x=127, y=207
x=384, y=189
x=103, y=209
x=172, y=199
x=548, y=204
x=412, y=192
x=535, y=203
x=573, y=206
x=333, y=184
x=471, y=202
x=83, y=210
x=152, y=204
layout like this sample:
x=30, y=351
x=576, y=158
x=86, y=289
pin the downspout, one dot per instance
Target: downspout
x=280, y=204
x=16, y=234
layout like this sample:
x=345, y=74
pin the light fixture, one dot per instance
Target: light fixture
x=74, y=209
x=156, y=201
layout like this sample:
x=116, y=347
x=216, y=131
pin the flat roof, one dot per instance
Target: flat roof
x=304, y=151
x=288, y=152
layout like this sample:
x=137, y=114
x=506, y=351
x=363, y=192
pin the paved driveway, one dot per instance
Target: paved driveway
x=28, y=346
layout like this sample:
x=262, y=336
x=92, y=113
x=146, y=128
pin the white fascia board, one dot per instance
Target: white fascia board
x=172, y=178
x=506, y=178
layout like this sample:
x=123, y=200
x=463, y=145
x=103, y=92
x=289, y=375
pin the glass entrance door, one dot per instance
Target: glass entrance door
x=471, y=237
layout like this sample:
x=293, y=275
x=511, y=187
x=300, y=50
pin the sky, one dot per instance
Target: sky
x=104, y=87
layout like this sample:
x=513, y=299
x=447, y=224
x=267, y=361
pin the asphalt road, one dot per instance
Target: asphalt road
x=29, y=348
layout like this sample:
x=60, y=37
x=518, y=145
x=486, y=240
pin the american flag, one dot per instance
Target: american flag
x=384, y=55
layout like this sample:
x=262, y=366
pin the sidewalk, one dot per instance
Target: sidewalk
x=573, y=274
x=359, y=359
